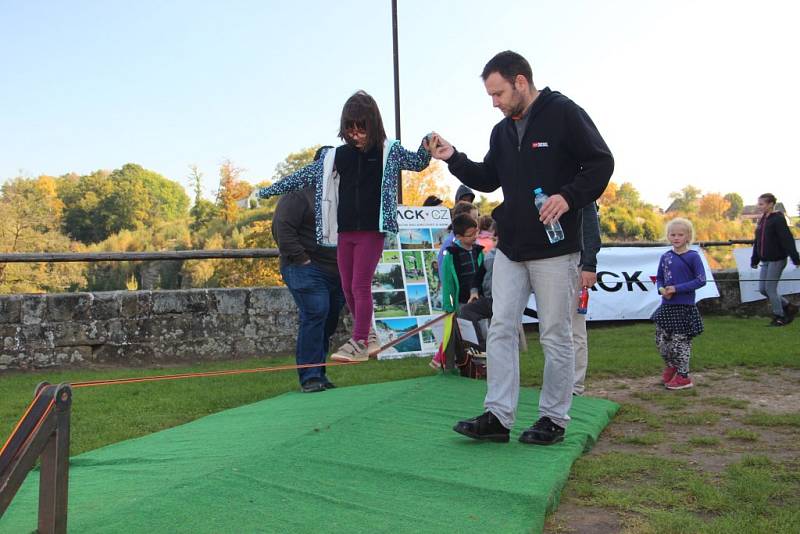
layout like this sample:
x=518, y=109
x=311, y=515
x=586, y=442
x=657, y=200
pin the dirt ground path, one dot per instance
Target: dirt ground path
x=724, y=397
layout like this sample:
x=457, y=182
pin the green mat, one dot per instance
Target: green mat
x=375, y=458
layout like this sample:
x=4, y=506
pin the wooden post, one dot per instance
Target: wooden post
x=54, y=475
x=44, y=432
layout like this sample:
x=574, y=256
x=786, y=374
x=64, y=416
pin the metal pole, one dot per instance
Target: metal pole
x=396, y=92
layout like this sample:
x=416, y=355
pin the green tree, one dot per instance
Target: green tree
x=168, y=235
x=295, y=161
x=737, y=205
x=628, y=195
x=102, y=204
x=686, y=199
x=203, y=211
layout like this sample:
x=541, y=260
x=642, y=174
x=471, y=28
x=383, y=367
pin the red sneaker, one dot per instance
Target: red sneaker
x=679, y=382
x=668, y=374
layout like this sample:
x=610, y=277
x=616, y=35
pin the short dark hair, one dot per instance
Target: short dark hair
x=362, y=111
x=462, y=223
x=463, y=207
x=769, y=197
x=509, y=65
x=432, y=200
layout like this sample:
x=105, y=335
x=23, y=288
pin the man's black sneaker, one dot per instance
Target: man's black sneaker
x=484, y=427
x=313, y=386
x=543, y=432
x=329, y=385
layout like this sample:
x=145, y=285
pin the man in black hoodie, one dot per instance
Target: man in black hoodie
x=545, y=141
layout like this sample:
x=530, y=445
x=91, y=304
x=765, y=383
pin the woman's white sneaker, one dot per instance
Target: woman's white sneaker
x=352, y=351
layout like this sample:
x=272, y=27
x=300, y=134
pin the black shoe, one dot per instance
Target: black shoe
x=313, y=386
x=543, y=432
x=778, y=321
x=329, y=385
x=484, y=427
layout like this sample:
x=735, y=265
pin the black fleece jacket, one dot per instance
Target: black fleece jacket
x=774, y=240
x=359, y=187
x=561, y=152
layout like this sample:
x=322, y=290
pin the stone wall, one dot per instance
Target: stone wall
x=729, y=301
x=143, y=327
x=146, y=327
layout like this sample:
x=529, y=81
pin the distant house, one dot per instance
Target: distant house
x=752, y=213
x=672, y=207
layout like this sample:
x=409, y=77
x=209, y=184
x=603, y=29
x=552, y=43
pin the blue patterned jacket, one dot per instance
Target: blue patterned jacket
x=322, y=175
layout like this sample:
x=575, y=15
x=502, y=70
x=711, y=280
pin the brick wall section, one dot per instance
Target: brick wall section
x=145, y=327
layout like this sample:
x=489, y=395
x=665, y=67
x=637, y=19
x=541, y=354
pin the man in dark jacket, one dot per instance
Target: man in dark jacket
x=546, y=141
x=311, y=274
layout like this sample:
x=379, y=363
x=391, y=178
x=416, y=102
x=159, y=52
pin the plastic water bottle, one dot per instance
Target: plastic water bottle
x=583, y=301
x=554, y=231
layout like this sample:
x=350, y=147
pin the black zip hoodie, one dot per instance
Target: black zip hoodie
x=561, y=152
x=774, y=240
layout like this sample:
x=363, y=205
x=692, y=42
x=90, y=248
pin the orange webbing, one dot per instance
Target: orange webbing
x=40, y=422
x=109, y=382
x=92, y=383
x=21, y=419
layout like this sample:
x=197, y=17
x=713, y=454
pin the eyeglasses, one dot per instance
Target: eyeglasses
x=355, y=128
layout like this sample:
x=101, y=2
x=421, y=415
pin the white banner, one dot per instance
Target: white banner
x=748, y=278
x=406, y=291
x=626, y=287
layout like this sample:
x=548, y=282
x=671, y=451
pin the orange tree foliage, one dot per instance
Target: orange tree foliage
x=417, y=186
x=229, y=190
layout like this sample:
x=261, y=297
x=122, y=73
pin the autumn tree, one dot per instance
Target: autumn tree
x=30, y=217
x=485, y=205
x=417, y=186
x=625, y=217
x=229, y=190
x=713, y=206
x=609, y=196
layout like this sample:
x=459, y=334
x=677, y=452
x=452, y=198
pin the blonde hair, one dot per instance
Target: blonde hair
x=686, y=223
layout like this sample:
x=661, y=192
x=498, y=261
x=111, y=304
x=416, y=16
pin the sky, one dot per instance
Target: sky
x=701, y=93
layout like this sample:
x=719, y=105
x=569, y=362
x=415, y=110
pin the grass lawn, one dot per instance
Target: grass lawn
x=630, y=477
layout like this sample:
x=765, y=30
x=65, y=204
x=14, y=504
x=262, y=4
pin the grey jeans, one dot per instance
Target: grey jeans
x=768, y=284
x=553, y=282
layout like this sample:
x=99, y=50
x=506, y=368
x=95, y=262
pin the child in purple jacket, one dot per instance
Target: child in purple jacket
x=680, y=273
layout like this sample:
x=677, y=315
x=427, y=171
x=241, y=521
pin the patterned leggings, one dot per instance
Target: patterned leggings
x=676, y=349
